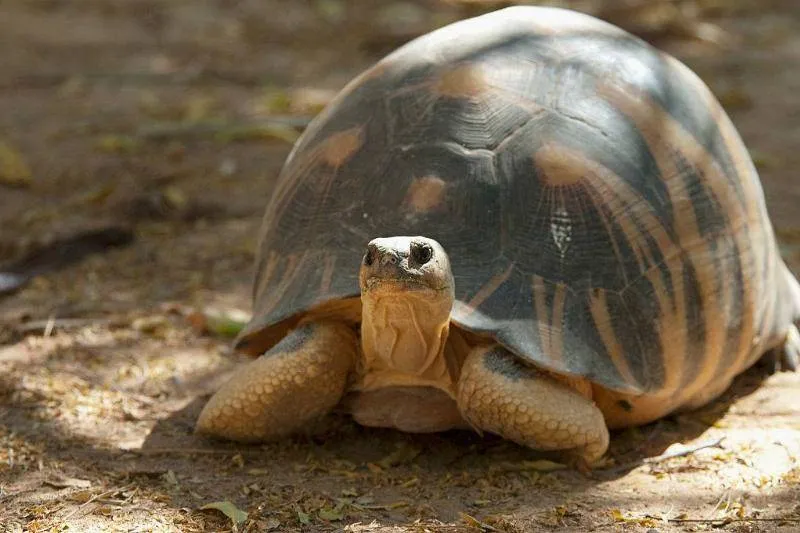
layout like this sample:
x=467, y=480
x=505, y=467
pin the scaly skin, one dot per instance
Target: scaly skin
x=300, y=379
x=500, y=394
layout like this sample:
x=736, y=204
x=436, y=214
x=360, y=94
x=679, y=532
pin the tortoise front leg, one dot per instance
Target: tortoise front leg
x=300, y=379
x=500, y=394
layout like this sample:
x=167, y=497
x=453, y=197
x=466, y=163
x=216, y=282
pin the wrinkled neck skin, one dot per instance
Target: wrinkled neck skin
x=403, y=337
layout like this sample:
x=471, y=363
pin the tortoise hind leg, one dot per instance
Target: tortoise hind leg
x=791, y=351
x=500, y=394
x=787, y=356
x=301, y=378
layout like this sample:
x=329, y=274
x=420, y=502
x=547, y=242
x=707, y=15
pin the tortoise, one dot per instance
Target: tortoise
x=529, y=223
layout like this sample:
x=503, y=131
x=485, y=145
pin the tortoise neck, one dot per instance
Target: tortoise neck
x=403, y=339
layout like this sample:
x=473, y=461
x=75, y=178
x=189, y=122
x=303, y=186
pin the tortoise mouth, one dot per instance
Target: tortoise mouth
x=394, y=285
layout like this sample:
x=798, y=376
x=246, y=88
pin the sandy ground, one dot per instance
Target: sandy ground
x=159, y=116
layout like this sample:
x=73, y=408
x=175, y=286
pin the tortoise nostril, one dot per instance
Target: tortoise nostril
x=388, y=259
x=421, y=252
x=380, y=256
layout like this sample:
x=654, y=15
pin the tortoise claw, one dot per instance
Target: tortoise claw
x=785, y=358
x=790, y=358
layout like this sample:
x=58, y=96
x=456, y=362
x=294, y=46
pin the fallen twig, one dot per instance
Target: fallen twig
x=686, y=451
x=669, y=455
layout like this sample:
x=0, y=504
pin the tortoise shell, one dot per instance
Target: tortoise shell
x=602, y=216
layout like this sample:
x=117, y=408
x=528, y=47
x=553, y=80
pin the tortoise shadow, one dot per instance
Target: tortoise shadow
x=632, y=447
x=337, y=440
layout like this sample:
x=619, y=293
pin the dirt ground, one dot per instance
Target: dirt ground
x=172, y=118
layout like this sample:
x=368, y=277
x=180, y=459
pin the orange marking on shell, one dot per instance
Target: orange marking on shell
x=544, y=321
x=658, y=128
x=560, y=167
x=634, y=217
x=539, y=293
x=489, y=287
x=292, y=266
x=556, y=330
x=327, y=274
x=745, y=169
x=347, y=310
x=631, y=212
x=637, y=221
x=604, y=323
x=672, y=327
x=757, y=285
x=425, y=194
x=463, y=81
x=758, y=281
x=341, y=146
x=265, y=276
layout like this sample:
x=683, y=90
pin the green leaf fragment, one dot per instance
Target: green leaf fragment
x=225, y=322
x=236, y=515
x=330, y=514
x=303, y=517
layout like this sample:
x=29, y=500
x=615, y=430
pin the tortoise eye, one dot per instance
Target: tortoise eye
x=421, y=253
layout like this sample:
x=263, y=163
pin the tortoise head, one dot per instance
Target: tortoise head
x=416, y=266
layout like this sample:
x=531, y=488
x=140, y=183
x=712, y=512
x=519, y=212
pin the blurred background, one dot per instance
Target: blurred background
x=139, y=144
x=172, y=117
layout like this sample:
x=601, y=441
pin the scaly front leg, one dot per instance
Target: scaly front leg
x=500, y=394
x=300, y=379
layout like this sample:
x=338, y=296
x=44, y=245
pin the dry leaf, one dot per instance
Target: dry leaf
x=14, y=171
